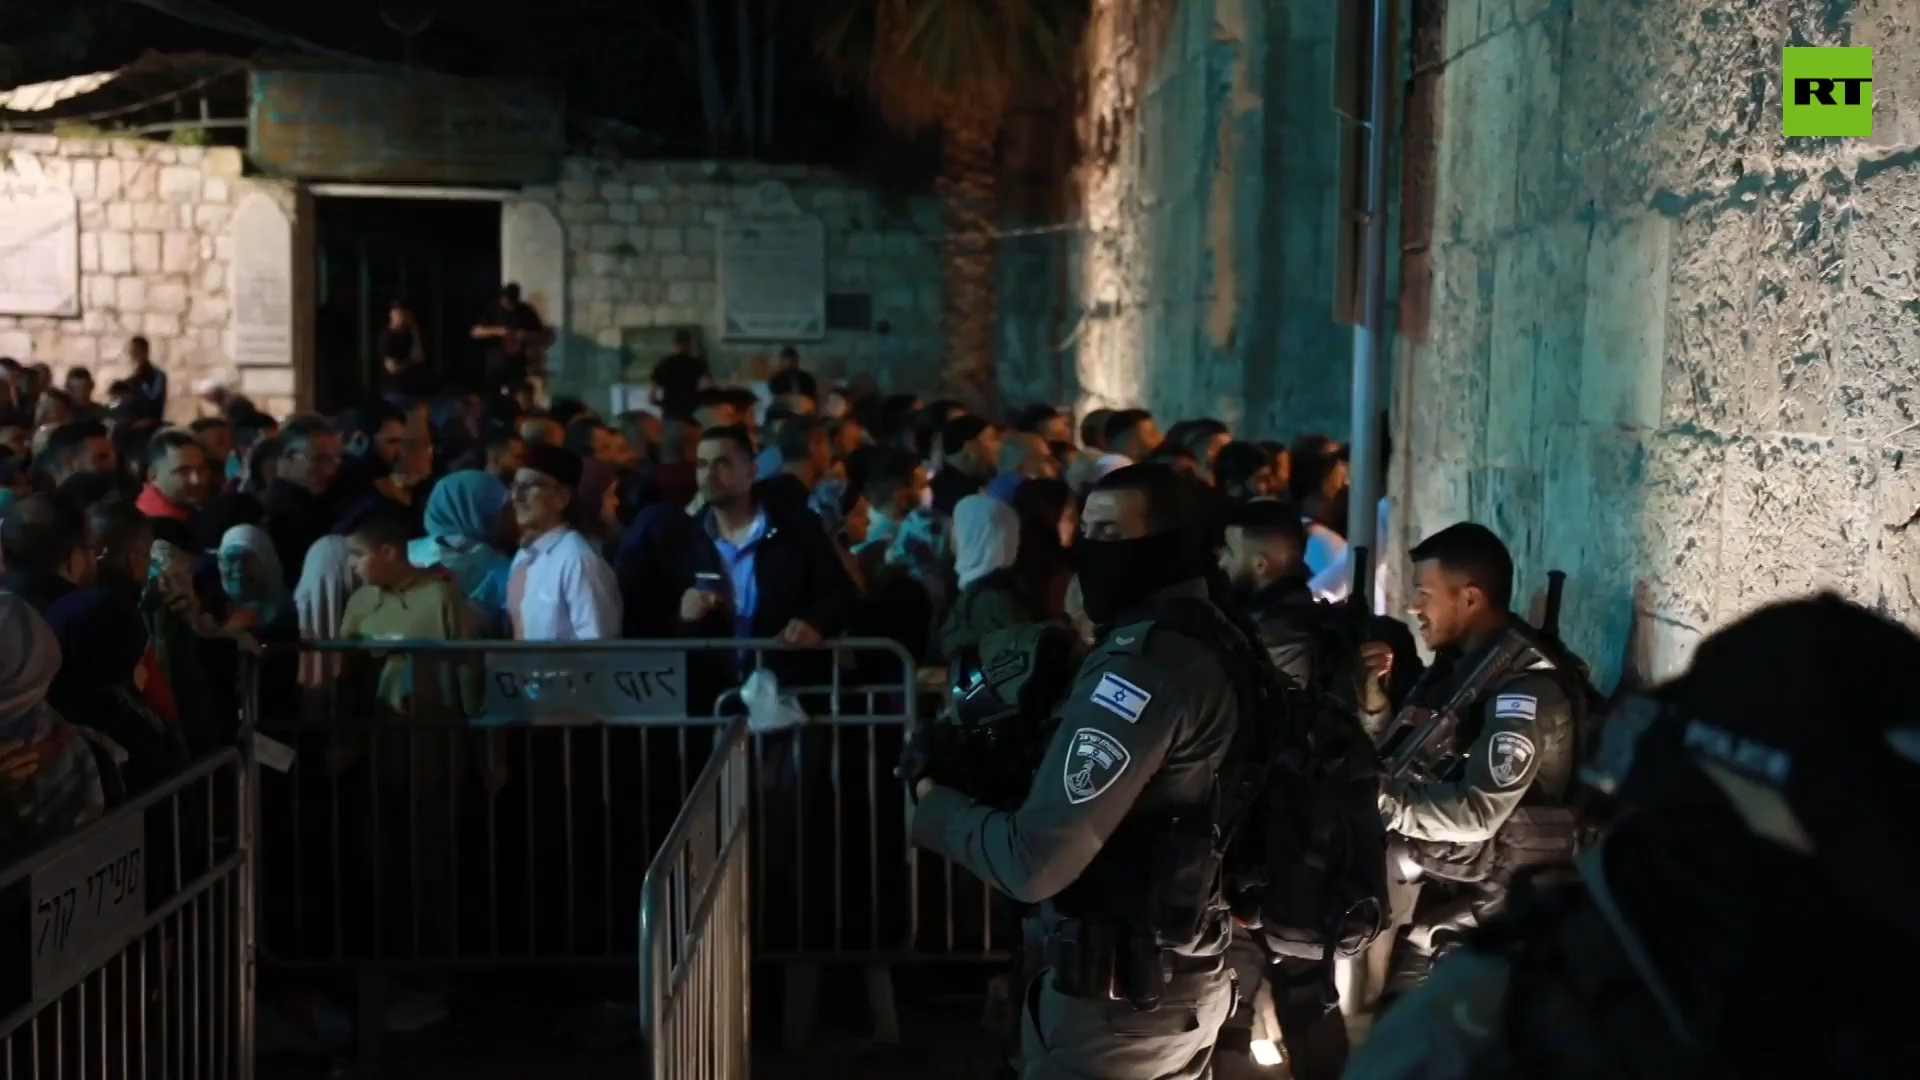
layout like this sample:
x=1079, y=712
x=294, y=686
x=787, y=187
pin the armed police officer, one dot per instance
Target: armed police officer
x=1480, y=761
x=1116, y=836
x=1760, y=860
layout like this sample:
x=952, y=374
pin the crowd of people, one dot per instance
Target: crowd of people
x=142, y=561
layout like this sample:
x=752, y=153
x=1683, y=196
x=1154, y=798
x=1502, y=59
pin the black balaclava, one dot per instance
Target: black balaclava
x=1118, y=575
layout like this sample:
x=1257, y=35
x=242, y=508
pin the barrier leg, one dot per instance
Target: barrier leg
x=802, y=986
x=886, y=1018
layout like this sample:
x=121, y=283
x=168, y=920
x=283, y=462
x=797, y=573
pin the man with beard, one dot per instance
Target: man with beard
x=1488, y=796
x=1114, y=838
x=1265, y=541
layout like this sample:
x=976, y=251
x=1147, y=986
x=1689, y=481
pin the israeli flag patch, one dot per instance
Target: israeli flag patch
x=1523, y=706
x=1121, y=698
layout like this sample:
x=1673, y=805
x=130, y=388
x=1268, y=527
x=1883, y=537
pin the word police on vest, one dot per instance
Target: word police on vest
x=1095, y=760
x=1121, y=698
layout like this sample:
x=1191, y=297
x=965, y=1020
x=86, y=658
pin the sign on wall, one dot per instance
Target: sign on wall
x=772, y=271
x=39, y=242
x=262, y=284
x=341, y=125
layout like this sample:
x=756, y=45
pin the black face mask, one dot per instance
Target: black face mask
x=1116, y=575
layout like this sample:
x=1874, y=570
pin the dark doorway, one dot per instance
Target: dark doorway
x=440, y=256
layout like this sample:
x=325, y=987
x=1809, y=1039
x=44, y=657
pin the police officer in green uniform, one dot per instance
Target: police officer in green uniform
x=1491, y=794
x=1116, y=838
x=1750, y=911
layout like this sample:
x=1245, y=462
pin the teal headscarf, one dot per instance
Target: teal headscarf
x=463, y=506
x=459, y=520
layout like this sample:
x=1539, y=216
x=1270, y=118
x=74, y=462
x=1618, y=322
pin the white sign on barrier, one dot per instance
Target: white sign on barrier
x=88, y=904
x=531, y=687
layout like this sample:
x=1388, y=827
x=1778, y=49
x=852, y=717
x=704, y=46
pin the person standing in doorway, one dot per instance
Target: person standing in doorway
x=510, y=330
x=149, y=398
x=679, y=377
x=789, y=379
x=403, y=360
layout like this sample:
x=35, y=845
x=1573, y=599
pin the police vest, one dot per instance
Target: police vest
x=1544, y=831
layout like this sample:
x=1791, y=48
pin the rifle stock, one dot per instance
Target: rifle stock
x=1416, y=729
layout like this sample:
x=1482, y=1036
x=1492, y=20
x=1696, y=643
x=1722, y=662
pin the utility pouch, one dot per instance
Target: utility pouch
x=1081, y=953
x=1142, y=971
x=1183, y=878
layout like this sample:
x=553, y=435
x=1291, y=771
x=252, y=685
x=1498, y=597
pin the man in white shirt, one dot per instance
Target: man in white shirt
x=560, y=589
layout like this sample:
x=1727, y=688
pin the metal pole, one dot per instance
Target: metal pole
x=1362, y=511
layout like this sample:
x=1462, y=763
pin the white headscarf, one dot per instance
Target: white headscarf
x=326, y=581
x=986, y=537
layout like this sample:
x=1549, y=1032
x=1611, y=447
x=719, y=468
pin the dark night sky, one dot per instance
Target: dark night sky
x=631, y=60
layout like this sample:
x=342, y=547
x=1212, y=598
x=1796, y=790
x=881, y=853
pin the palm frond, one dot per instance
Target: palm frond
x=924, y=60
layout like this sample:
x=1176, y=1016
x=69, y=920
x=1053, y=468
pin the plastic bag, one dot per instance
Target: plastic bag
x=766, y=709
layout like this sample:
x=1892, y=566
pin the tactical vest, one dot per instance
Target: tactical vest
x=1544, y=831
x=1160, y=869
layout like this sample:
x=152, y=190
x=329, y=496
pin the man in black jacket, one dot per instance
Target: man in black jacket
x=1266, y=544
x=741, y=566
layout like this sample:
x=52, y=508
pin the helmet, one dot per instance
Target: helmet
x=1804, y=718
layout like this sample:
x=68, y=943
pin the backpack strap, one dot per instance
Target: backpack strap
x=1253, y=677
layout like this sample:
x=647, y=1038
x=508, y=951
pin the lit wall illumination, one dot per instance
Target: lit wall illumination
x=1110, y=341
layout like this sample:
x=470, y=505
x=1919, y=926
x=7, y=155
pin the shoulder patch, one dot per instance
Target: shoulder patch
x=1095, y=760
x=1120, y=697
x=1005, y=666
x=1131, y=638
x=1523, y=706
x=1508, y=755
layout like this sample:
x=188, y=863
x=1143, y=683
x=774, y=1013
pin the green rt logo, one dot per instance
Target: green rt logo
x=1829, y=92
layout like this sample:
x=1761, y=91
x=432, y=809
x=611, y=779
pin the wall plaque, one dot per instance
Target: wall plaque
x=262, y=284
x=772, y=271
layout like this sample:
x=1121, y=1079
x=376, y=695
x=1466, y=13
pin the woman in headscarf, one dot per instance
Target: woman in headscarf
x=320, y=601
x=254, y=583
x=986, y=541
x=463, y=515
x=51, y=783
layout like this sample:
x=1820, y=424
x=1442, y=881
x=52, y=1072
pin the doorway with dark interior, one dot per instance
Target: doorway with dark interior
x=440, y=257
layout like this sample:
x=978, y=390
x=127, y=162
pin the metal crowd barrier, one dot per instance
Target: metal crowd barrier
x=695, y=981
x=137, y=939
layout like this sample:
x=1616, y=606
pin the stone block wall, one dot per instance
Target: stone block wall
x=1206, y=262
x=155, y=260
x=1671, y=351
x=640, y=253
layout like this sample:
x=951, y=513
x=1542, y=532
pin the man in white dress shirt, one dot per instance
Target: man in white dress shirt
x=560, y=588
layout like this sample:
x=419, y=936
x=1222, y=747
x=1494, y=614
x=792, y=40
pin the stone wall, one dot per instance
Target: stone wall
x=1671, y=351
x=1206, y=262
x=640, y=253
x=155, y=260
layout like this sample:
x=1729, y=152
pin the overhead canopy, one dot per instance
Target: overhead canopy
x=155, y=88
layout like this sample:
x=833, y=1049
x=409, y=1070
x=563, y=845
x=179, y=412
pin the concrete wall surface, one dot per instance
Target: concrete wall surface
x=1671, y=352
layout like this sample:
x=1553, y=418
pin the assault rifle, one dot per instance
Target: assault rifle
x=1404, y=746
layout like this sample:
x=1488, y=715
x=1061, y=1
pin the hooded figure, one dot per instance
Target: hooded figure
x=61, y=790
x=251, y=575
x=326, y=581
x=986, y=540
x=461, y=517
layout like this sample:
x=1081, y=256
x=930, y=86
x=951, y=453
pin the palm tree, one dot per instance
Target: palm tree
x=959, y=67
